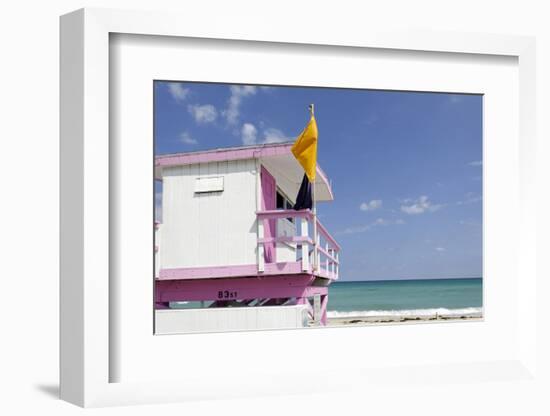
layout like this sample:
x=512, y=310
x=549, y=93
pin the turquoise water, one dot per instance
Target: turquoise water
x=404, y=296
x=397, y=297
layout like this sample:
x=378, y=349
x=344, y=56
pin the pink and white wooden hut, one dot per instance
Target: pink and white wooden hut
x=229, y=237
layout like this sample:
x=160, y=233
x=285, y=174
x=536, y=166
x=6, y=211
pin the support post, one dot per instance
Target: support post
x=337, y=265
x=305, y=246
x=315, y=236
x=327, y=261
x=261, y=248
x=316, y=309
x=324, y=303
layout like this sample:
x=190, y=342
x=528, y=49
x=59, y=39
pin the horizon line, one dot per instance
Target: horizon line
x=409, y=278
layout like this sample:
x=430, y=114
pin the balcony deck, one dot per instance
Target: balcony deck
x=317, y=252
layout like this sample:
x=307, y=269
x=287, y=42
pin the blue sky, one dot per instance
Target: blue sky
x=406, y=167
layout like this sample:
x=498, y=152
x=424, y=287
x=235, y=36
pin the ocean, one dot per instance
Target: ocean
x=405, y=297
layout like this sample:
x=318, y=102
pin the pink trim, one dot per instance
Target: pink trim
x=271, y=287
x=284, y=213
x=283, y=268
x=316, y=290
x=269, y=191
x=324, y=303
x=218, y=155
x=285, y=240
x=217, y=272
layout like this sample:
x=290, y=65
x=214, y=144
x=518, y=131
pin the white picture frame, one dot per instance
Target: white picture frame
x=86, y=336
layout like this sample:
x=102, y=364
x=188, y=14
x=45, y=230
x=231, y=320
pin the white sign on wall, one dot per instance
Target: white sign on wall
x=214, y=184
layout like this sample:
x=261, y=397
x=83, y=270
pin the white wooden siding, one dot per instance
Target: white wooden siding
x=158, y=228
x=174, y=321
x=209, y=229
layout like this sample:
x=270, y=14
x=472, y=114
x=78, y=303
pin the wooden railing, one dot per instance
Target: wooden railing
x=318, y=250
x=329, y=249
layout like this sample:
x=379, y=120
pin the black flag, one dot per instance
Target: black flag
x=304, y=199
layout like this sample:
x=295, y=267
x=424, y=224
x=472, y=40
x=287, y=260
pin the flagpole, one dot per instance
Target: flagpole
x=315, y=245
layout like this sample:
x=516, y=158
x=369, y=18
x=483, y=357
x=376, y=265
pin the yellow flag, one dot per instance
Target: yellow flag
x=304, y=149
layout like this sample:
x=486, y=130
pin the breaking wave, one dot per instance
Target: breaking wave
x=407, y=313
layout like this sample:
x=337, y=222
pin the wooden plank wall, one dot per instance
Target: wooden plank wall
x=174, y=321
x=209, y=229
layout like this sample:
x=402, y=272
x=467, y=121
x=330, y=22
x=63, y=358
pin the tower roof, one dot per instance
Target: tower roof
x=276, y=157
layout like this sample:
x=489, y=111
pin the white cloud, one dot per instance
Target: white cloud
x=186, y=138
x=471, y=198
x=440, y=249
x=371, y=205
x=238, y=92
x=419, y=206
x=249, y=134
x=273, y=135
x=178, y=91
x=203, y=113
x=475, y=163
x=357, y=229
x=375, y=223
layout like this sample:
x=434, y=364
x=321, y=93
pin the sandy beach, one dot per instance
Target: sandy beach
x=365, y=320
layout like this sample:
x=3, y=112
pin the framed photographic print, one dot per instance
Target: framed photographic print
x=227, y=209
x=239, y=241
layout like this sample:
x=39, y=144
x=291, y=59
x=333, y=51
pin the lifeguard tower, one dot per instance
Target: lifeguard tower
x=231, y=241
